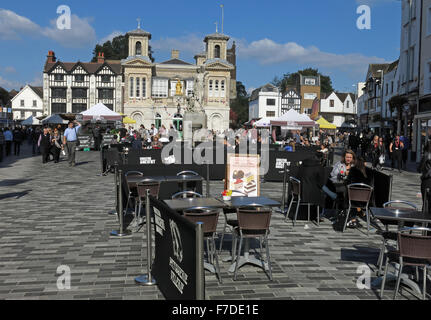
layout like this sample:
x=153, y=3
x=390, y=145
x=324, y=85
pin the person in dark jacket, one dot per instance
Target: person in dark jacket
x=56, y=145
x=2, y=143
x=377, y=149
x=97, y=135
x=18, y=136
x=45, y=145
x=424, y=169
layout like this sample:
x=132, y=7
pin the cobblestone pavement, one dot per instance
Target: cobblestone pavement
x=52, y=215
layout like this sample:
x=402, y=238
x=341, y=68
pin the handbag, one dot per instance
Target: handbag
x=382, y=159
x=78, y=143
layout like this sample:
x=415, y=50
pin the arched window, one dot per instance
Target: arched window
x=144, y=87
x=210, y=89
x=216, y=89
x=138, y=50
x=131, y=87
x=138, y=87
x=158, y=121
x=217, y=51
x=223, y=93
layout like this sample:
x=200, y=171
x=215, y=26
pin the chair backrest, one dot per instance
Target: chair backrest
x=254, y=219
x=186, y=194
x=153, y=186
x=187, y=173
x=208, y=216
x=414, y=245
x=133, y=173
x=359, y=192
x=296, y=186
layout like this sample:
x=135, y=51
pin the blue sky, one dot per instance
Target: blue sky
x=272, y=37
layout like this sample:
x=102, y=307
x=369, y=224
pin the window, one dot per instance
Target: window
x=138, y=87
x=131, y=88
x=270, y=102
x=412, y=63
x=34, y=113
x=138, y=48
x=310, y=81
x=58, y=93
x=332, y=103
x=348, y=104
x=210, y=88
x=223, y=92
x=160, y=88
x=58, y=108
x=58, y=77
x=22, y=103
x=34, y=103
x=79, y=78
x=217, y=51
x=158, y=121
x=392, y=87
x=22, y=114
x=78, y=107
x=387, y=88
x=310, y=96
x=106, y=94
x=190, y=84
x=106, y=78
x=429, y=76
x=79, y=93
x=217, y=94
x=110, y=106
x=270, y=113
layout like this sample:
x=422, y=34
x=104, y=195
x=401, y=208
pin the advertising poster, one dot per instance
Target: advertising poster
x=242, y=174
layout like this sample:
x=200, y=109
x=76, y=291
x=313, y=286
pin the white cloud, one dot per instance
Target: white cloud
x=14, y=26
x=269, y=52
x=111, y=36
x=37, y=81
x=9, y=84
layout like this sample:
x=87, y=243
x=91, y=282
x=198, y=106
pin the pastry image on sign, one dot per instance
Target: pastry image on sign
x=250, y=187
x=238, y=182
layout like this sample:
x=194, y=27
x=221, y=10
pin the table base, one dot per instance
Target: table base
x=144, y=280
x=249, y=259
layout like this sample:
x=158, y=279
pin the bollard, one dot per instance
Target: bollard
x=147, y=279
x=208, y=179
x=200, y=272
x=114, y=212
x=122, y=232
x=283, y=196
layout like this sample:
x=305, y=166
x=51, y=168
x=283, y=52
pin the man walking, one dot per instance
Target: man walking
x=18, y=136
x=97, y=135
x=69, y=140
x=8, y=136
x=395, y=149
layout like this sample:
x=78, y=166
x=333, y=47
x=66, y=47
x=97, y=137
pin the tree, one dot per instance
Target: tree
x=292, y=80
x=116, y=49
x=4, y=97
x=239, y=106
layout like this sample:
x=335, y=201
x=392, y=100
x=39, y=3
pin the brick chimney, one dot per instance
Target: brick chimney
x=101, y=57
x=51, y=57
x=175, y=54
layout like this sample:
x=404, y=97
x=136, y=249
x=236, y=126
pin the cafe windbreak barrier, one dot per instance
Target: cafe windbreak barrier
x=178, y=264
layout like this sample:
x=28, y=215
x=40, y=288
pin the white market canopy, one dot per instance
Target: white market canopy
x=31, y=121
x=100, y=112
x=263, y=123
x=54, y=119
x=293, y=120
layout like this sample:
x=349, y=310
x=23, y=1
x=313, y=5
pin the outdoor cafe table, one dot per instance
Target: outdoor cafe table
x=187, y=203
x=237, y=202
x=402, y=215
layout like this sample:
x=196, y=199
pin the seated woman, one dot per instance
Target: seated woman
x=156, y=144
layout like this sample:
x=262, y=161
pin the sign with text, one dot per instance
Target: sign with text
x=174, y=265
x=242, y=174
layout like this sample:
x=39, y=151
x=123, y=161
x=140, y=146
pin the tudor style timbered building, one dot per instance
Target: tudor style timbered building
x=73, y=87
x=291, y=99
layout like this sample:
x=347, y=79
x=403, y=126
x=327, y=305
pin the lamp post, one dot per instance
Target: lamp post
x=381, y=100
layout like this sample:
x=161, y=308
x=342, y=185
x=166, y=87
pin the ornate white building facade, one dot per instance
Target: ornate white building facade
x=160, y=93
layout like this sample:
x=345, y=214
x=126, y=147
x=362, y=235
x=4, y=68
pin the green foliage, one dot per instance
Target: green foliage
x=116, y=49
x=292, y=80
x=240, y=105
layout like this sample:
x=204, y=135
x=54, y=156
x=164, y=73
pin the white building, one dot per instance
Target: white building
x=28, y=102
x=265, y=102
x=73, y=87
x=338, y=108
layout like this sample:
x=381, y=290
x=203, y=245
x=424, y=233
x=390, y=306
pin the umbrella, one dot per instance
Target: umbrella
x=54, y=119
x=324, y=124
x=31, y=121
x=128, y=120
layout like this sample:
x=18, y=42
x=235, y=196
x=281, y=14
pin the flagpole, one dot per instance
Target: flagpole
x=222, y=17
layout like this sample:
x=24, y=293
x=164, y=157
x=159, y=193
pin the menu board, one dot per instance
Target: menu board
x=242, y=174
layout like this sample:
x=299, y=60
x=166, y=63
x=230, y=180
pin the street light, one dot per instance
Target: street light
x=381, y=100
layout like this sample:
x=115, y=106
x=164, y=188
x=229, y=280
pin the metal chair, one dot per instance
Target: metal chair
x=359, y=197
x=391, y=235
x=186, y=194
x=132, y=193
x=253, y=222
x=209, y=218
x=191, y=185
x=295, y=192
x=414, y=250
x=142, y=187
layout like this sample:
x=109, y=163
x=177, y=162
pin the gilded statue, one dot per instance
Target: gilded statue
x=179, y=89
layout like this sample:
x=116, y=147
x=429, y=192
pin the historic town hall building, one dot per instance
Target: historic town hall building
x=148, y=92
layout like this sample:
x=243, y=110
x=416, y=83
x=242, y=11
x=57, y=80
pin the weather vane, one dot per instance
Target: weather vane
x=139, y=23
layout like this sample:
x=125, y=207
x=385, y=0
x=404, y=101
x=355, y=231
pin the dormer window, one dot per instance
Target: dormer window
x=138, y=48
x=217, y=51
x=106, y=78
x=79, y=78
x=58, y=77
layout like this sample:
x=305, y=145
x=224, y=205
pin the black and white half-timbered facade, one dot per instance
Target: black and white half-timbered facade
x=73, y=87
x=290, y=99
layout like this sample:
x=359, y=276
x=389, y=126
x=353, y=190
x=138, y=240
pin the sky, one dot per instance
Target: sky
x=273, y=37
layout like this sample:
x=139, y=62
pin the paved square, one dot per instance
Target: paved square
x=53, y=215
